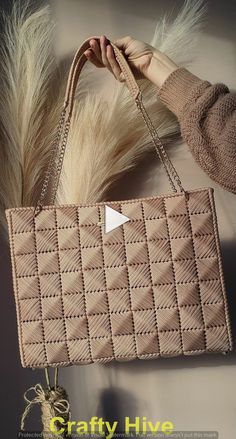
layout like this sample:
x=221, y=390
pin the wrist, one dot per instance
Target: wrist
x=161, y=66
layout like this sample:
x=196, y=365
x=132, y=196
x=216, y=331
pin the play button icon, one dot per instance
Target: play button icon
x=113, y=219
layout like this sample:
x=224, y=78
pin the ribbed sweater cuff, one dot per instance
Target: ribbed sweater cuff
x=177, y=89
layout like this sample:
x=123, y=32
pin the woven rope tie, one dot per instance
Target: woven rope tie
x=53, y=402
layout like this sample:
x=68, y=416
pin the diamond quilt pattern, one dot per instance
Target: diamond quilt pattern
x=151, y=288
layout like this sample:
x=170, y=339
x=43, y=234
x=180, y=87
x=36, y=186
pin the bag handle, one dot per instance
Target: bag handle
x=77, y=65
x=53, y=170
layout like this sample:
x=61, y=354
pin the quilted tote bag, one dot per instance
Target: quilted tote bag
x=117, y=280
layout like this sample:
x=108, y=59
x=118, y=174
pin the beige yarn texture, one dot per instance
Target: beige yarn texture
x=151, y=288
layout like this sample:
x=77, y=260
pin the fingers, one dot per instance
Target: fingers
x=90, y=55
x=116, y=70
x=93, y=54
x=101, y=54
x=97, y=52
x=103, y=45
x=96, y=49
x=123, y=42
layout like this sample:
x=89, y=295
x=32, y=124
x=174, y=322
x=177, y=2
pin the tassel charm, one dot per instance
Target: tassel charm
x=54, y=402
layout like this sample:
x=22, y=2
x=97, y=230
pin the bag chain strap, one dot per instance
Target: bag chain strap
x=51, y=165
x=160, y=150
x=55, y=164
x=59, y=147
x=59, y=161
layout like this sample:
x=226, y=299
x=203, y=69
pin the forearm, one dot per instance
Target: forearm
x=160, y=68
x=207, y=117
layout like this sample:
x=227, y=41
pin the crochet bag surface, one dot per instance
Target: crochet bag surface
x=151, y=287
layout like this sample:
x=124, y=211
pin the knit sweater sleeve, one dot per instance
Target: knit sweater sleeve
x=207, y=117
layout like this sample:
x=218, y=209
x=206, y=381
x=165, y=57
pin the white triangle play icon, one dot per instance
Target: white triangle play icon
x=113, y=219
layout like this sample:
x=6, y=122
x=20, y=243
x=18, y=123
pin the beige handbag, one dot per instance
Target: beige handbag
x=117, y=280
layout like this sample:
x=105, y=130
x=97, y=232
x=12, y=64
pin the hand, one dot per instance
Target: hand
x=137, y=53
x=145, y=61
